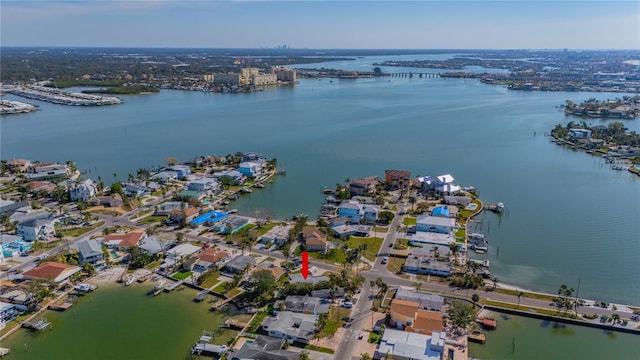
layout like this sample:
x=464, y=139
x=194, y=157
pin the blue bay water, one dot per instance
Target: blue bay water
x=569, y=216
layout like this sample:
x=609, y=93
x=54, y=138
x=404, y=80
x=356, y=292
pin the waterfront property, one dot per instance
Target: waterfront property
x=90, y=251
x=293, y=327
x=397, y=179
x=425, y=300
x=123, y=240
x=52, y=271
x=264, y=347
x=358, y=213
x=209, y=218
x=230, y=224
x=313, y=239
x=8, y=312
x=239, y=263
x=278, y=234
x=303, y=304
x=409, y=316
x=435, y=224
x=13, y=245
x=83, y=191
x=425, y=239
x=406, y=345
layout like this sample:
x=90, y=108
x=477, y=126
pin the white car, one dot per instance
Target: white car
x=385, y=260
x=313, y=269
x=347, y=304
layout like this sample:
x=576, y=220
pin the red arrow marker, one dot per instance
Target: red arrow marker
x=305, y=264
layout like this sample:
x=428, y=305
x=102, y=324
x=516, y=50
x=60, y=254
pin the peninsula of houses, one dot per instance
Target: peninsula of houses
x=374, y=250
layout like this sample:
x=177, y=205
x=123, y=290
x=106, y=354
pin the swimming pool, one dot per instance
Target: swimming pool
x=472, y=206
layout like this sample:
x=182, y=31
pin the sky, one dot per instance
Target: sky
x=313, y=24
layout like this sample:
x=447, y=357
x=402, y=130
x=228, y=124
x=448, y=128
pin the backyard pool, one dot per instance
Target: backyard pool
x=211, y=217
x=472, y=206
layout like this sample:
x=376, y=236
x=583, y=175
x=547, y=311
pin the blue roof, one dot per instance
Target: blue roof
x=440, y=210
x=211, y=216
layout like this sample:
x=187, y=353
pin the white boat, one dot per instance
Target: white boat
x=129, y=280
x=159, y=285
x=84, y=287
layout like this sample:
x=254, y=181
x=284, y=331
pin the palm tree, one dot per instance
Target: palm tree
x=495, y=281
x=520, y=294
x=475, y=298
x=418, y=285
x=412, y=201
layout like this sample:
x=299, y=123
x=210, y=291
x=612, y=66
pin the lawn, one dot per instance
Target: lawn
x=568, y=314
x=409, y=221
x=528, y=295
x=153, y=219
x=181, y=275
x=221, y=288
x=337, y=318
x=257, y=321
x=461, y=233
x=152, y=265
x=373, y=245
x=81, y=230
x=210, y=279
x=240, y=234
x=319, y=349
x=395, y=264
x=263, y=230
x=332, y=256
x=380, y=229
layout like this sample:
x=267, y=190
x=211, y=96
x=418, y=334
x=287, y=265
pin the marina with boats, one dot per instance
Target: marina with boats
x=60, y=97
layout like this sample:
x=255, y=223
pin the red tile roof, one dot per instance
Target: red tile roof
x=50, y=271
x=126, y=240
x=212, y=255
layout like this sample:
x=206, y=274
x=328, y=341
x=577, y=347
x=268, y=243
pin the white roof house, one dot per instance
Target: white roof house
x=446, y=179
x=83, y=191
x=183, y=250
x=408, y=345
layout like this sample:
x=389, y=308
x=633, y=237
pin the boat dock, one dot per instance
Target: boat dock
x=477, y=337
x=201, y=295
x=158, y=287
x=219, y=304
x=173, y=286
x=234, y=324
x=61, y=307
x=36, y=324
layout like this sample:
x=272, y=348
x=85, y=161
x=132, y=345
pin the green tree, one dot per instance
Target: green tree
x=226, y=181
x=260, y=286
x=460, y=315
x=365, y=356
x=475, y=298
x=520, y=295
x=385, y=216
x=89, y=268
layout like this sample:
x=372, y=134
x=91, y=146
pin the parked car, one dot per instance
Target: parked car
x=347, y=304
x=385, y=259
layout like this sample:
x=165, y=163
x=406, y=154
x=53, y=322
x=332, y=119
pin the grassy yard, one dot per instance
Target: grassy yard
x=106, y=212
x=373, y=245
x=409, y=221
x=211, y=280
x=153, y=219
x=395, y=264
x=233, y=293
x=461, y=233
x=257, y=321
x=270, y=259
x=141, y=214
x=380, y=229
x=221, y=288
x=337, y=318
x=181, y=275
x=319, y=349
x=240, y=234
x=333, y=256
x=81, y=230
x=527, y=295
x=263, y=230
x=154, y=264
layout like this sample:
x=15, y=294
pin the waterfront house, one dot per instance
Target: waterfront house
x=426, y=301
x=52, y=271
x=276, y=271
x=409, y=316
x=210, y=258
x=426, y=183
x=8, y=312
x=13, y=245
x=462, y=201
x=350, y=210
x=293, y=327
x=250, y=168
x=313, y=239
x=436, y=224
x=83, y=191
x=369, y=213
x=304, y=304
x=39, y=187
x=342, y=231
x=198, y=195
x=48, y=170
x=19, y=165
x=204, y=184
x=264, y=348
x=182, y=251
x=425, y=239
x=363, y=186
x=422, y=261
x=230, y=224
x=237, y=177
x=182, y=171
x=253, y=156
x=397, y=179
x=337, y=222
x=153, y=245
x=122, y=241
x=328, y=293
x=239, y=263
x=134, y=190
x=90, y=251
x=39, y=228
x=168, y=207
x=445, y=185
x=165, y=177
x=297, y=278
x=277, y=235
x=580, y=133
x=404, y=345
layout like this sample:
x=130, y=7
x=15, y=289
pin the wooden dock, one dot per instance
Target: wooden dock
x=234, y=324
x=478, y=337
x=61, y=307
x=173, y=286
x=201, y=295
x=219, y=304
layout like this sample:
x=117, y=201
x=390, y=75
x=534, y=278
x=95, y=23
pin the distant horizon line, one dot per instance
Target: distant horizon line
x=309, y=48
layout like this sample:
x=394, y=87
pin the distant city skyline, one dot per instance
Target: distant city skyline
x=323, y=24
